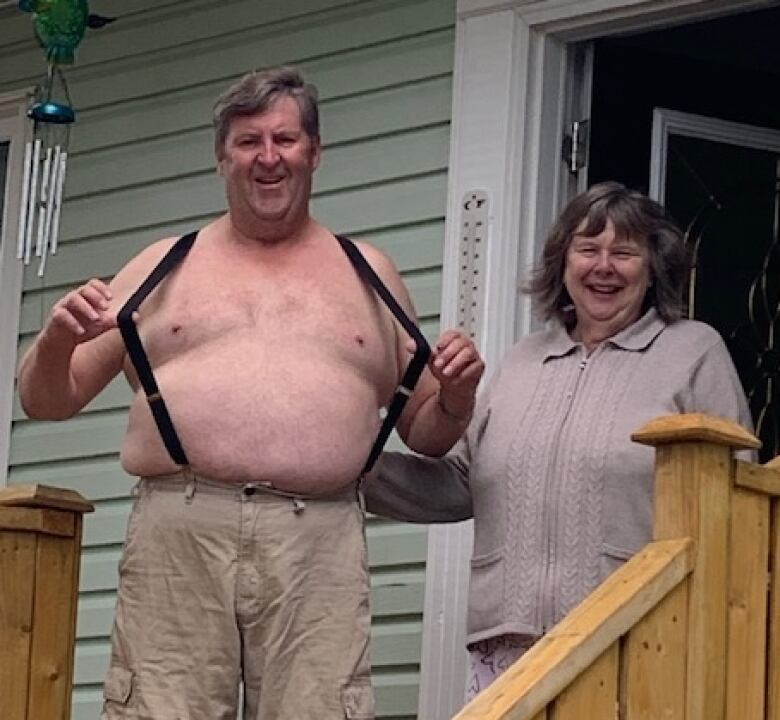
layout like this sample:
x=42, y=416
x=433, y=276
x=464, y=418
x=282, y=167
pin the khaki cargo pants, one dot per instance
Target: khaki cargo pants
x=223, y=586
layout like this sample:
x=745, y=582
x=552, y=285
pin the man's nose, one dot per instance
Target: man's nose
x=267, y=153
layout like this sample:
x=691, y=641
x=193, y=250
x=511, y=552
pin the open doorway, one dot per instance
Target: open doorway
x=695, y=104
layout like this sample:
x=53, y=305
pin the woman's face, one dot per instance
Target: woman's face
x=607, y=278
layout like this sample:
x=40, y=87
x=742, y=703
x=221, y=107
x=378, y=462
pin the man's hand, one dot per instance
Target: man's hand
x=82, y=314
x=455, y=362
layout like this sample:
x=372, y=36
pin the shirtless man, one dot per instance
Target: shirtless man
x=245, y=556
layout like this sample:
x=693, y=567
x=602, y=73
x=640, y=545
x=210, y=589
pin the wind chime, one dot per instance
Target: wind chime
x=59, y=26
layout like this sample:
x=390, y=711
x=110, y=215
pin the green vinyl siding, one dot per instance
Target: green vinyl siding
x=142, y=168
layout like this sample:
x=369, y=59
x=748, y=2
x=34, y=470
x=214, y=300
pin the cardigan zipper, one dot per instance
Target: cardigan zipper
x=549, y=523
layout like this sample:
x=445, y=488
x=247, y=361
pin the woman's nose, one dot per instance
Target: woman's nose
x=603, y=261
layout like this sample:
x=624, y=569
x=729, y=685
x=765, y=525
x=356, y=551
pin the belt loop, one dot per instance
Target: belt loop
x=189, y=491
x=298, y=505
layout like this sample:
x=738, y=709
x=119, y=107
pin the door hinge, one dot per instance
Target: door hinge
x=575, y=145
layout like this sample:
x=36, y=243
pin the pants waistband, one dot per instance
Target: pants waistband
x=185, y=481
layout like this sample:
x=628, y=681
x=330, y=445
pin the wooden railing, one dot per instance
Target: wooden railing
x=689, y=628
x=40, y=546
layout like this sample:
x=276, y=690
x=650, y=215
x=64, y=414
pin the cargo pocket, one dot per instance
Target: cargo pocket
x=357, y=699
x=119, y=686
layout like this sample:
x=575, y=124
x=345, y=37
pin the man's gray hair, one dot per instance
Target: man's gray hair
x=256, y=92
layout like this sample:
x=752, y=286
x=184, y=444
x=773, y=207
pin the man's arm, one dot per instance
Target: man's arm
x=439, y=410
x=80, y=350
x=75, y=355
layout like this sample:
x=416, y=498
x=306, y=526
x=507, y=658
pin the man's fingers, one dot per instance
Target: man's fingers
x=100, y=287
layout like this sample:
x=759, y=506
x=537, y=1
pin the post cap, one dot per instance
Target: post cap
x=690, y=427
x=43, y=496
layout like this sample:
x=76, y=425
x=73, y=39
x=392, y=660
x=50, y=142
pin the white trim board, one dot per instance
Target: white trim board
x=14, y=127
x=509, y=94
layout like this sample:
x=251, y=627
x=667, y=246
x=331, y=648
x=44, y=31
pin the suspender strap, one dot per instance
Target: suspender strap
x=137, y=354
x=419, y=359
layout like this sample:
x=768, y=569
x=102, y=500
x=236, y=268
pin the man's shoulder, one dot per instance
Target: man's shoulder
x=377, y=257
x=137, y=268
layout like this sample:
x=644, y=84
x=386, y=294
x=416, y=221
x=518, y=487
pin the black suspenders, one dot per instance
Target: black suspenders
x=421, y=353
x=162, y=418
x=137, y=354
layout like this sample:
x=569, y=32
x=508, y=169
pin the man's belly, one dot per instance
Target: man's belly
x=305, y=425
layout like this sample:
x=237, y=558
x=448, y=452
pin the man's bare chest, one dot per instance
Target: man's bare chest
x=334, y=315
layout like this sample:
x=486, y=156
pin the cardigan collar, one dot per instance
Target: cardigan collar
x=636, y=337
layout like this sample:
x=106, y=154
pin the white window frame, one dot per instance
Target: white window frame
x=14, y=129
x=510, y=88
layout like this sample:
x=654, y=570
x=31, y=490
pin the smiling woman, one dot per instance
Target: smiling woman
x=559, y=494
x=607, y=278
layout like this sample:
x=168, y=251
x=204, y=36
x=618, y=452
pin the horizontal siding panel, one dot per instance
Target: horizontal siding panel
x=393, y=545
x=395, y=594
x=208, y=44
x=389, y=109
x=427, y=102
x=99, y=565
x=411, y=247
x=99, y=257
x=18, y=33
x=107, y=526
x=83, y=435
x=357, y=210
x=413, y=152
x=396, y=694
x=96, y=479
x=95, y=616
x=327, y=34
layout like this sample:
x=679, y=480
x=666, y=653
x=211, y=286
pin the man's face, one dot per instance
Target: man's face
x=268, y=161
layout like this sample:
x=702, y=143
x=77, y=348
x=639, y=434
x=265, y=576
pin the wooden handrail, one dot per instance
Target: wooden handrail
x=578, y=640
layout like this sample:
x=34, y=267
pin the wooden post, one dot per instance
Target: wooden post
x=40, y=546
x=694, y=469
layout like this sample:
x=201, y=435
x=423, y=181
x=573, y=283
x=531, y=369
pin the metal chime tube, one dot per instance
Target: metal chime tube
x=33, y=200
x=24, y=200
x=44, y=197
x=50, y=184
x=58, y=201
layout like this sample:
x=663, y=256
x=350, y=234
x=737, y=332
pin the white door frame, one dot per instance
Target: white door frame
x=14, y=128
x=509, y=91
